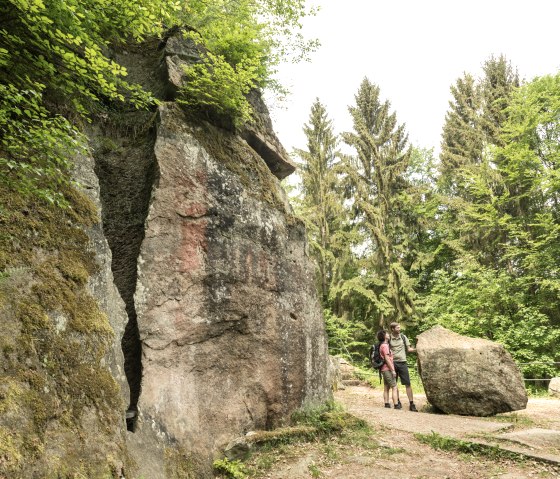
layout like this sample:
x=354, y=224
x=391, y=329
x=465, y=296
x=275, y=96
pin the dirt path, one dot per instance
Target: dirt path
x=396, y=453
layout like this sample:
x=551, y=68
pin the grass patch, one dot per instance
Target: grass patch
x=329, y=433
x=330, y=418
x=516, y=419
x=472, y=449
x=536, y=391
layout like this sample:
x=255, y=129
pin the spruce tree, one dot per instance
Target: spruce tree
x=470, y=179
x=321, y=206
x=462, y=137
x=499, y=82
x=377, y=179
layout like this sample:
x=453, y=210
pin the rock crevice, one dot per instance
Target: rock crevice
x=126, y=167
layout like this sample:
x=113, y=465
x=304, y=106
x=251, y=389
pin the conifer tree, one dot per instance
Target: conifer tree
x=321, y=206
x=462, y=137
x=502, y=279
x=497, y=87
x=377, y=179
x=470, y=180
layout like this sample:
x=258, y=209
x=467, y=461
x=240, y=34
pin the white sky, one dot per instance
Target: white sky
x=414, y=51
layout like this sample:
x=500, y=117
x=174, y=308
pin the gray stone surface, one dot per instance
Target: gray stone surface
x=232, y=331
x=554, y=387
x=468, y=376
x=536, y=437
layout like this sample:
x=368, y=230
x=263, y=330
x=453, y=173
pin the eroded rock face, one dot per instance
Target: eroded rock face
x=232, y=332
x=101, y=285
x=469, y=376
x=259, y=133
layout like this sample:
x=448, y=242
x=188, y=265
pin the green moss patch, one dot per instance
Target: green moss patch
x=52, y=372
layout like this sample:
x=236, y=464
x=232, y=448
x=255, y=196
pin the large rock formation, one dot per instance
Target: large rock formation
x=230, y=324
x=221, y=298
x=469, y=376
x=207, y=278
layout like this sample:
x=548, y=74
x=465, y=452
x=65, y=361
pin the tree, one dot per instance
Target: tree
x=506, y=287
x=56, y=69
x=321, y=206
x=497, y=87
x=469, y=180
x=462, y=137
x=379, y=186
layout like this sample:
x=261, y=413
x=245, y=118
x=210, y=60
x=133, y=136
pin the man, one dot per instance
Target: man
x=400, y=345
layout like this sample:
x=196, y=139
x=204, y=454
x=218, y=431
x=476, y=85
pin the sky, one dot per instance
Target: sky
x=414, y=50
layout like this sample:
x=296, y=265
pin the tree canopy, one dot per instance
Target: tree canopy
x=470, y=241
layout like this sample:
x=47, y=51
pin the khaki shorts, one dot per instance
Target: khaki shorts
x=389, y=379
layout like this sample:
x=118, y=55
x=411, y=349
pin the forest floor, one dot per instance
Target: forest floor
x=394, y=449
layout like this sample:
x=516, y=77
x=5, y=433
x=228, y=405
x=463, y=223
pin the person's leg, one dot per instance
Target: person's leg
x=386, y=387
x=409, y=393
x=405, y=381
x=395, y=396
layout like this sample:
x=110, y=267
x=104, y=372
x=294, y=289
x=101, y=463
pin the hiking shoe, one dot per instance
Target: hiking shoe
x=413, y=408
x=399, y=403
x=398, y=406
x=387, y=405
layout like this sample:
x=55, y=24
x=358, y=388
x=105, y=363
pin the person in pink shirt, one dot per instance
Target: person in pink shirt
x=388, y=370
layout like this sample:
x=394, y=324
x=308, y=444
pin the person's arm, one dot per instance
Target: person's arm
x=409, y=348
x=388, y=358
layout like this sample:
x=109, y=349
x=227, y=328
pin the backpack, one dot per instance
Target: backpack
x=375, y=358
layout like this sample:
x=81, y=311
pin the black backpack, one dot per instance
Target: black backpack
x=375, y=358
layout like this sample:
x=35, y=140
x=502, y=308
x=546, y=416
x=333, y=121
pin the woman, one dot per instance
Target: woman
x=388, y=370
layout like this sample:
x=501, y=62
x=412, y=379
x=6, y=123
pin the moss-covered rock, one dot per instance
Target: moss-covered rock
x=60, y=407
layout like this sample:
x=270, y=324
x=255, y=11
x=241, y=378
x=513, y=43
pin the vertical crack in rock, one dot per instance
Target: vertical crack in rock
x=126, y=167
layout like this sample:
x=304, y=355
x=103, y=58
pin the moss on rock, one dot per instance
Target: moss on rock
x=60, y=408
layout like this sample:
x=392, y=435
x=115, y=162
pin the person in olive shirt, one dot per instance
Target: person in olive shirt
x=400, y=345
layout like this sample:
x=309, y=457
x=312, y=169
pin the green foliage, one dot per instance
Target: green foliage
x=56, y=70
x=243, y=41
x=314, y=470
x=35, y=147
x=328, y=418
x=497, y=275
x=377, y=180
x=321, y=209
x=60, y=44
x=214, y=86
x=344, y=337
x=52, y=54
x=230, y=469
x=478, y=302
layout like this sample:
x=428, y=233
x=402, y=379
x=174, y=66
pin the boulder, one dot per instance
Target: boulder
x=468, y=376
x=554, y=387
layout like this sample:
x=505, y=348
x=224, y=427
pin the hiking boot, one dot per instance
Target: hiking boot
x=399, y=403
x=413, y=407
x=398, y=406
x=387, y=405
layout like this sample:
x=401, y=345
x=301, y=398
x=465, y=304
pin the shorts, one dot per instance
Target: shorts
x=389, y=379
x=402, y=372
